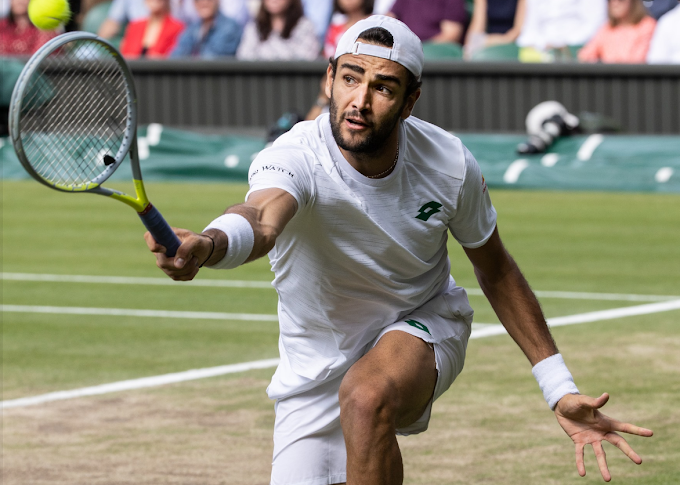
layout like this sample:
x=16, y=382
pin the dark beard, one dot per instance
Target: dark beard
x=374, y=141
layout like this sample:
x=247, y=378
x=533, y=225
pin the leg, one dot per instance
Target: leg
x=389, y=388
x=308, y=443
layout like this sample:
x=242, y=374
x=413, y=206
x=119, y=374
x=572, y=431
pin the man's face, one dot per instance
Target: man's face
x=367, y=101
x=206, y=9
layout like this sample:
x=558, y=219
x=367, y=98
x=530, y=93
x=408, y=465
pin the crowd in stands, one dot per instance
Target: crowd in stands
x=607, y=31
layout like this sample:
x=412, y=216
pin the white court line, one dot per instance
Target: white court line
x=128, y=312
x=131, y=280
x=664, y=306
x=140, y=383
x=484, y=331
x=589, y=146
x=146, y=281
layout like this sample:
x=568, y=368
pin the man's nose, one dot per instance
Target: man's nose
x=362, y=98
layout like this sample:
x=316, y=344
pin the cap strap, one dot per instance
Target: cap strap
x=372, y=50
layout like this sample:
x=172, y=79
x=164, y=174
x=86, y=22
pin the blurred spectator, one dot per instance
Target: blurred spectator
x=155, y=36
x=494, y=22
x=319, y=12
x=347, y=13
x=436, y=21
x=660, y=7
x=280, y=32
x=18, y=36
x=550, y=24
x=213, y=35
x=120, y=13
x=625, y=38
x=665, y=46
x=124, y=11
x=382, y=7
x=233, y=9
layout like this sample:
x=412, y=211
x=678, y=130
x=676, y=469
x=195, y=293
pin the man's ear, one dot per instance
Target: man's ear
x=410, y=104
x=329, y=81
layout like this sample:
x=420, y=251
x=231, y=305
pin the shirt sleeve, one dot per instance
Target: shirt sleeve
x=184, y=44
x=475, y=218
x=224, y=41
x=118, y=11
x=286, y=167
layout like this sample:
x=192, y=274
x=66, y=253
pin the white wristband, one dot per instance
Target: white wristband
x=554, y=379
x=240, y=240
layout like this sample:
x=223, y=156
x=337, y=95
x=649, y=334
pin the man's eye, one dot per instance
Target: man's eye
x=384, y=89
x=349, y=79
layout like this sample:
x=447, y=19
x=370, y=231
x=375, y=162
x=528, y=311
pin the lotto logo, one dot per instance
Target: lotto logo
x=426, y=211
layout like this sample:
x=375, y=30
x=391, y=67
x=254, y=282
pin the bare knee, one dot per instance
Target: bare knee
x=367, y=404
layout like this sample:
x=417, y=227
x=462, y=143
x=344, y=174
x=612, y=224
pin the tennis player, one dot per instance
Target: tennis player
x=354, y=210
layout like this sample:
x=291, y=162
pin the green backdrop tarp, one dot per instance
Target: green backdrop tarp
x=596, y=162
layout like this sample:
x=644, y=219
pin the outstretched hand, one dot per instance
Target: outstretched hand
x=193, y=251
x=581, y=419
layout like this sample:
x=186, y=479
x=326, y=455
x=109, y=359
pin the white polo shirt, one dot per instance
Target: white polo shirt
x=362, y=253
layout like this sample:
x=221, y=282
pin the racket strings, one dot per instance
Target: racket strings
x=60, y=121
x=75, y=114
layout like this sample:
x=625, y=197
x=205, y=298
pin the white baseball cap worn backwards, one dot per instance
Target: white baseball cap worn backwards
x=407, y=49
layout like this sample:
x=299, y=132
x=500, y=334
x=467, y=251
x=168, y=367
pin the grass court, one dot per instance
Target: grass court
x=492, y=426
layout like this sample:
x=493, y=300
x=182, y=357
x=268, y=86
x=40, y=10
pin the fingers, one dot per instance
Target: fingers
x=151, y=243
x=630, y=429
x=185, y=265
x=185, y=253
x=623, y=445
x=601, y=458
x=580, y=465
x=600, y=401
x=186, y=272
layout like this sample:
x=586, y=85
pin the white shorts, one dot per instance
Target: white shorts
x=309, y=447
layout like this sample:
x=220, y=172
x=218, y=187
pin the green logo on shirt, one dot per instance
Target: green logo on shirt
x=427, y=210
x=418, y=325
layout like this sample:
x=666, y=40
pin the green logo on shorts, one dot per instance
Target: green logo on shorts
x=418, y=325
x=428, y=210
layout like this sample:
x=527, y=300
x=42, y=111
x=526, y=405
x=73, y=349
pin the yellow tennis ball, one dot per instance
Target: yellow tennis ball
x=49, y=14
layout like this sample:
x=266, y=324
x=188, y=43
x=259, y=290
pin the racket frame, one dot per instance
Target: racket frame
x=140, y=203
x=149, y=215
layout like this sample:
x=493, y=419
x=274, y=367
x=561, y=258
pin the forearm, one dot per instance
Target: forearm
x=109, y=29
x=450, y=32
x=518, y=310
x=509, y=37
x=266, y=213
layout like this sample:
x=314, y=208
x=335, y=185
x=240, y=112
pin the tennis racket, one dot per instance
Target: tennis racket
x=73, y=120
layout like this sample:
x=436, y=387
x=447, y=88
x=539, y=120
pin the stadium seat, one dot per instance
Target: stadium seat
x=500, y=52
x=11, y=69
x=574, y=49
x=440, y=52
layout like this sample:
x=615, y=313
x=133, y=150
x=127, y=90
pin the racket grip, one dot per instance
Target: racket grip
x=160, y=230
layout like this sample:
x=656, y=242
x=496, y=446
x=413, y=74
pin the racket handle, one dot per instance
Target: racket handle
x=160, y=230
